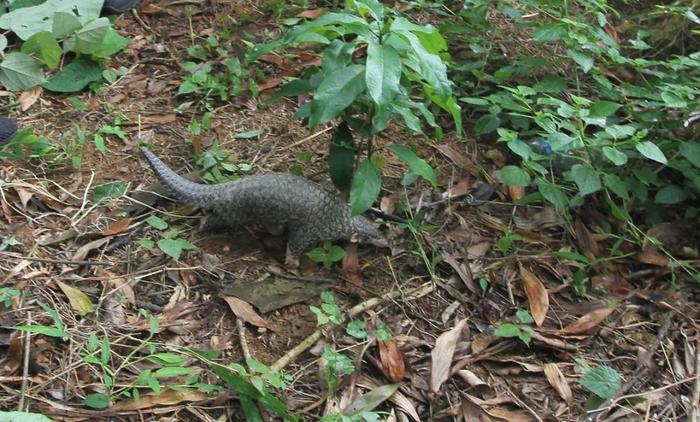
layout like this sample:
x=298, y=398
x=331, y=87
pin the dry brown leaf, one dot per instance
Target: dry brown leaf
x=122, y=286
x=516, y=192
x=460, y=189
x=586, y=322
x=113, y=312
x=29, y=97
x=158, y=120
x=442, y=355
x=165, y=398
x=481, y=341
x=651, y=258
x=387, y=204
x=117, y=227
x=492, y=408
x=462, y=271
x=558, y=381
x=24, y=196
x=447, y=313
x=79, y=301
x=84, y=250
x=585, y=241
x=311, y=13
x=479, y=249
x=537, y=295
x=458, y=157
x=244, y=311
x=271, y=83
x=272, y=58
x=351, y=265
x=392, y=360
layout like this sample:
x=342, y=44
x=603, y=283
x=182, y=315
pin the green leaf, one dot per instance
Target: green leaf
x=549, y=32
x=487, y=124
x=603, y=381
x=583, y=60
x=515, y=176
x=415, y=163
x=75, y=76
x=172, y=371
x=617, y=157
x=553, y=194
x=111, y=44
x=108, y=191
x=27, y=21
x=23, y=417
x=603, y=109
x=366, y=185
x=174, y=247
x=507, y=330
x=550, y=83
x=20, y=71
x=670, y=194
x=651, y=151
x=586, y=178
x=88, y=39
x=166, y=359
x=335, y=93
x=383, y=72
x=248, y=134
x=574, y=256
x=370, y=400
x=620, y=131
x=617, y=186
x=64, y=24
x=44, y=47
x=673, y=100
x=341, y=158
x=524, y=316
x=42, y=329
x=356, y=328
x=157, y=222
x=97, y=401
x=691, y=152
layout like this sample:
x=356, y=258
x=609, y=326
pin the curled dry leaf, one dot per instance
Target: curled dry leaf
x=24, y=196
x=311, y=13
x=351, y=265
x=370, y=400
x=244, y=311
x=387, y=204
x=516, y=192
x=79, y=301
x=271, y=83
x=586, y=322
x=165, y=398
x=28, y=98
x=558, y=381
x=117, y=227
x=442, y=355
x=84, y=250
x=392, y=360
x=462, y=271
x=449, y=311
x=536, y=295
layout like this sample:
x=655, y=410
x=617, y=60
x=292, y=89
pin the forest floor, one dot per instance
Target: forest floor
x=636, y=316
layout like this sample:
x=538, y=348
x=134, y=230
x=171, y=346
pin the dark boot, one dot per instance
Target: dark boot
x=8, y=129
x=119, y=6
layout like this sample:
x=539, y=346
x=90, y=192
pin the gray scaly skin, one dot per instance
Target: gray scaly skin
x=309, y=212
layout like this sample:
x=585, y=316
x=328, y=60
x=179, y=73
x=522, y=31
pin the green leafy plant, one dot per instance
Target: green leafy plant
x=374, y=63
x=519, y=328
x=329, y=312
x=335, y=366
x=7, y=294
x=50, y=30
x=327, y=254
x=171, y=243
x=58, y=329
x=601, y=380
x=505, y=242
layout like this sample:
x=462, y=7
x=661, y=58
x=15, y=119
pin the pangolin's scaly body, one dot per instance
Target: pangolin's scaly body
x=310, y=213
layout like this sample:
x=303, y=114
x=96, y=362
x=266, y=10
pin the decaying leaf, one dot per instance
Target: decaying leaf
x=587, y=322
x=28, y=98
x=536, y=295
x=311, y=13
x=351, y=265
x=462, y=271
x=117, y=227
x=442, y=355
x=370, y=400
x=392, y=360
x=244, y=311
x=84, y=250
x=558, y=381
x=165, y=398
x=79, y=301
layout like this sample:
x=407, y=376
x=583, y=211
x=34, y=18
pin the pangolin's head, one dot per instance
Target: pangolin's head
x=363, y=231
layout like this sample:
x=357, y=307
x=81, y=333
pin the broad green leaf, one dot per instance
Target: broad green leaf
x=64, y=23
x=487, y=124
x=27, y=21
x=582, y=59
x=97, y=401
x=157, y=222
x=673, y=100
x=603, y=109
x=617, y=186
x=552, y=193
x=670, y=194
x=75, y=76
x=172, y=371
x=23, y=417
x=515, y=176
x=507, y=330
x=575, y=256
x=550, y=83
x=620, y=131
x=370, y=400
x=586, y=178
x=336, y=253
x=3, y=43
x=366, y=185
x=42, y=329
x=617, y=157
x=108, y=191
x=383, y=72
x=174, y=247
x=415, y=163
x=166, y=359
x=412, y=121
x=44, y=47
x=20, y=71
x=341, y=158
x=651, y=151
x=111, y=44
x=603, y=381
x=335, y=93
x=549, y=32
x=691, y=152
x=88, y=40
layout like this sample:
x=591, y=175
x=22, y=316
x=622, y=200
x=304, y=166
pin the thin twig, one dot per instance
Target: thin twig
x=242, y=339
x=308, y=138
x=25, y=366
x=695, y=410
x=60, y=261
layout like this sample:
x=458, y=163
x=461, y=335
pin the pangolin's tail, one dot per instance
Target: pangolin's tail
x=200, y=195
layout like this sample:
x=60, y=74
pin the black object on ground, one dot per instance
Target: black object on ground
x=119, y=6
x=8, y=129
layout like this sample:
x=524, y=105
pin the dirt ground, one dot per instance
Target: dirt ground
x=639, y=317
